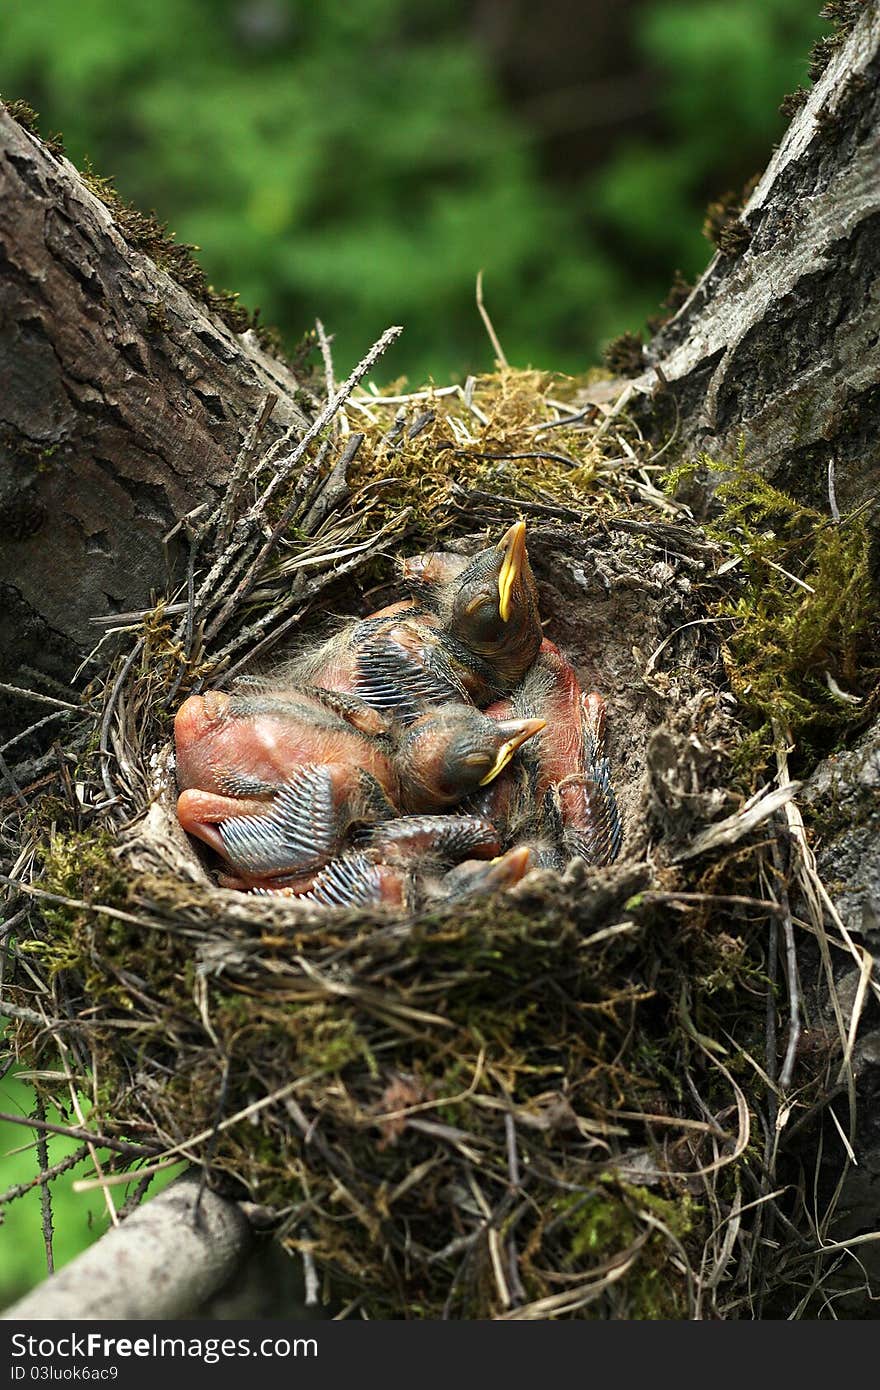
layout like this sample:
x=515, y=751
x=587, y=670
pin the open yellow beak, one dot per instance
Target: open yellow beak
x=518, y=730
x=513, y=543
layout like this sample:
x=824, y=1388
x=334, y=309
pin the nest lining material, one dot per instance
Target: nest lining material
x=531, y=1106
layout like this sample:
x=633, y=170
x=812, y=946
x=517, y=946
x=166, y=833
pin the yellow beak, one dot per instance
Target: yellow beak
x=513, y=543
x=519, y=730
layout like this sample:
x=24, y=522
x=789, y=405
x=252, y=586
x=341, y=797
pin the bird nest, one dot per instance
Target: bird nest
x=555, y=1101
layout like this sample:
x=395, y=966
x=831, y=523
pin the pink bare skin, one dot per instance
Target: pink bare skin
x=560, y=757
x=216, y=737
x=233, y=753
x=303, y=764
x=550, y=691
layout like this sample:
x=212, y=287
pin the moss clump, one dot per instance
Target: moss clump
x=28, y=118
x=92, y=935
x=724, y=226
x=81, y=868
x=617, y=1218
x=625, y=355
x=804, y=613
x=793, y=102
x=844, y=15
x=678, y=478
x=481, y=444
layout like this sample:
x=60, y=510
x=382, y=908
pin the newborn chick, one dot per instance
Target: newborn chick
x=561, y=796
x=275, y=782
x=396, y=662
x=423, y=574
x=358, y=881
x=487, y=608
x=473, y=638
x=450, y=751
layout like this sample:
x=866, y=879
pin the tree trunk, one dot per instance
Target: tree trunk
x=777, y=344
x=842, y=807
x=776, y=351
x=124, y=402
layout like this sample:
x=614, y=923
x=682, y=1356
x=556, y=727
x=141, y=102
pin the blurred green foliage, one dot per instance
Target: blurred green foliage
x=78, y=1218
x=725, y=66
x=355, y=159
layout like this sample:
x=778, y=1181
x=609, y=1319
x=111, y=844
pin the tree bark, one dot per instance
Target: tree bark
x=167, y=1260
x=123, y=403
x=777, y=349
x=777, y=344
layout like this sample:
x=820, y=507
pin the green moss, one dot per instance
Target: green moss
x=322, y=1038
x=679, y=477
x=80, y=865
x=803, y=610
x=335, y=1041
x=610, y=1220
x=493, y=456
x=28, y=118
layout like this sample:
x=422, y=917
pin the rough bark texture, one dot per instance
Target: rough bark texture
x=844, y=796
x=778, y=344
x=123, y=403
x=166, y=1261
x=842, y=799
